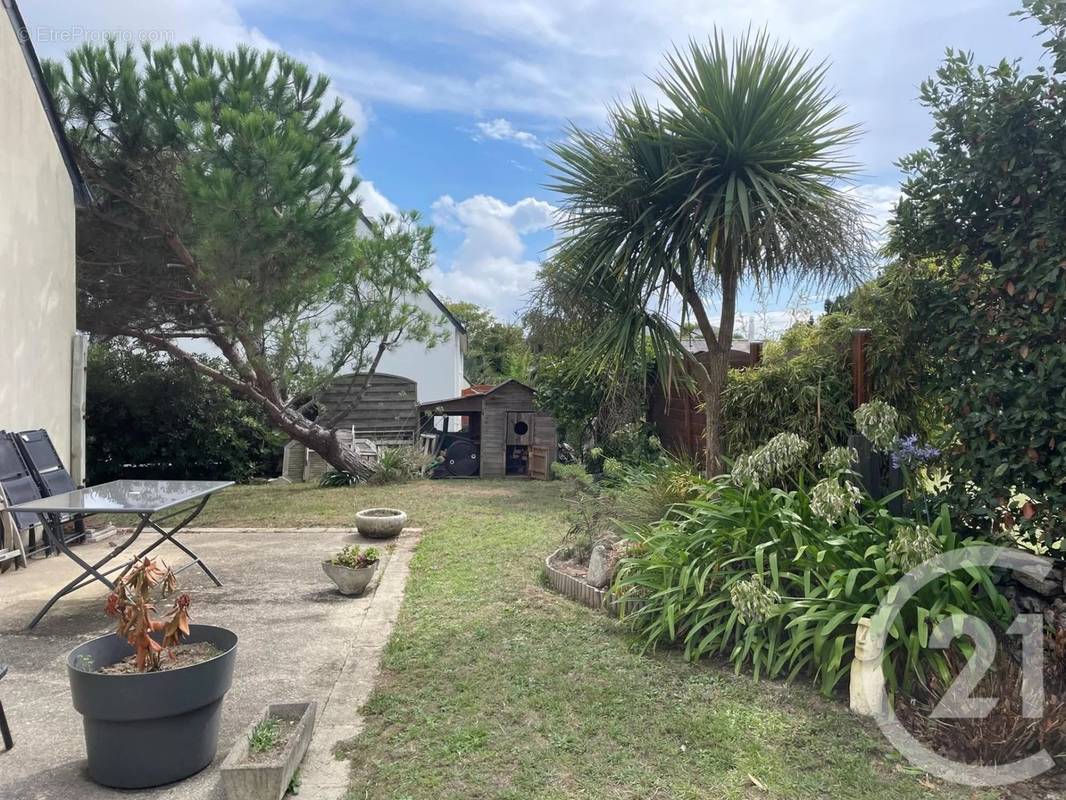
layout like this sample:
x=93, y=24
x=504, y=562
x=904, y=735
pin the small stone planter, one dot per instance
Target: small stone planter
x=380, y=523
x=350, y=581
x=244, y=779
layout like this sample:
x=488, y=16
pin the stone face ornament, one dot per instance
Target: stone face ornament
x=867, y=679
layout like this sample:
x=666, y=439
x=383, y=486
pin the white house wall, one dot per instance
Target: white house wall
x=438, y=371
x=37, y=267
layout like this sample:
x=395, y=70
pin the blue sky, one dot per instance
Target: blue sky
x=455, y=101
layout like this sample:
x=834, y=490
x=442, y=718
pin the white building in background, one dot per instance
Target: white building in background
x=39, y=188
x=437, y=370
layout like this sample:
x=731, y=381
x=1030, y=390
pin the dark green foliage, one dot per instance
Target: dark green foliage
x=495, y=351
x=985, y=202
x=819, y=581
x=632, y=444
x=804, y=383
x=333, y=478
x=588, y=399
x=150, y=417
x=224, y=212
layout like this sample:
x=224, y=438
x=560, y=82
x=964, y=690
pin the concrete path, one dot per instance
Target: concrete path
x=299, y=640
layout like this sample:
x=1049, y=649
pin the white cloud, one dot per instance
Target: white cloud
x=502, y=130
x=374, y=203
x=492, y=266
x=880, y=201
x=558, y=59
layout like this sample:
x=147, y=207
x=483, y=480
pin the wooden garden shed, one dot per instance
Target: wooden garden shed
x=495, y=433
x=387, y=416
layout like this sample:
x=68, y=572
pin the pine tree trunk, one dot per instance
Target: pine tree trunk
x=322, y=440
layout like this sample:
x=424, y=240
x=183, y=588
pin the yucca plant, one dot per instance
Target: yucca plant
x=737, y=175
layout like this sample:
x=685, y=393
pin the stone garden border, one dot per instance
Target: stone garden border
x=574, y=588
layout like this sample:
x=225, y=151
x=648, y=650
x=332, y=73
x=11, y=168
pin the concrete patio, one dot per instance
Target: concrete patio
x=299, y=640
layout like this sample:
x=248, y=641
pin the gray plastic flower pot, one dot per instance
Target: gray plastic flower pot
x=380, y=523
x=350, y=580
x=150, y=728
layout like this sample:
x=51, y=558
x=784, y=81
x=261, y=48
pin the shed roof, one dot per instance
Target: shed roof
x=81, y=191
x=476, y=396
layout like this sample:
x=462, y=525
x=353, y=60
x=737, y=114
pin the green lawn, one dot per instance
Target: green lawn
x=494, y=687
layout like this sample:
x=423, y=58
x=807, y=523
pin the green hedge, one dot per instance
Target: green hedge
x=804, y=384
x=149, y=417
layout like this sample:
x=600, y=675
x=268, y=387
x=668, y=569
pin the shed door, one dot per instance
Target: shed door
x=519, y=428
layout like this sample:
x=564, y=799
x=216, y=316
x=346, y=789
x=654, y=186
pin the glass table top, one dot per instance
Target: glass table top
x=124, y=497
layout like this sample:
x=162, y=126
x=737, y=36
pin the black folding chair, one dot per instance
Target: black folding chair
x=47, y=469
x=41, y=456
x=4, y=730
x=17, y=485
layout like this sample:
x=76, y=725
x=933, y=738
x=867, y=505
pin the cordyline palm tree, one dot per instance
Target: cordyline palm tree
x=738, y=175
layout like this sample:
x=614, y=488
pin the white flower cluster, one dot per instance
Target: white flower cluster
x=775, y=458
x=878, y=422
x=753, y=600
x=746, y=472
x=832, y=499
x=911, y=546
x=839, y=459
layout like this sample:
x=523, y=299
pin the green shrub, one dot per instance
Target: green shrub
x=777, y=578
x=353, y=557
x=803, y=384
x=332, y=478
x=984, y=201
x=630, y=444
x=147, y=416
x=572, y=475
x=398, y=465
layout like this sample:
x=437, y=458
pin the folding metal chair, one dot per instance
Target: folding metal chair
x=4, y=730
x=44, y=462
x=17, y=485
x=47, y=469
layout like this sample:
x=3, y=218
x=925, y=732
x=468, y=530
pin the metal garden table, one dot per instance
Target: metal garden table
x=141, y=498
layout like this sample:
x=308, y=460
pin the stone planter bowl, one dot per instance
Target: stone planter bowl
x=244, y=779
x=350, y=581
x=380, y=523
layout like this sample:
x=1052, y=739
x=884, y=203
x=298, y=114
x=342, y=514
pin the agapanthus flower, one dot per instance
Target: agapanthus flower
x=783, y=453
x=753, y=600
x=910, y=453
x=912, y=545
x=878, y=422
x=839, y=459
x=745, y=472
x=832, y=499
x=776, y=458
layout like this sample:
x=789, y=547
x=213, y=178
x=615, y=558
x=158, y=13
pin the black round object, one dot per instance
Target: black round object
x=521, y=428
x=150, y=728
x=462, y=458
